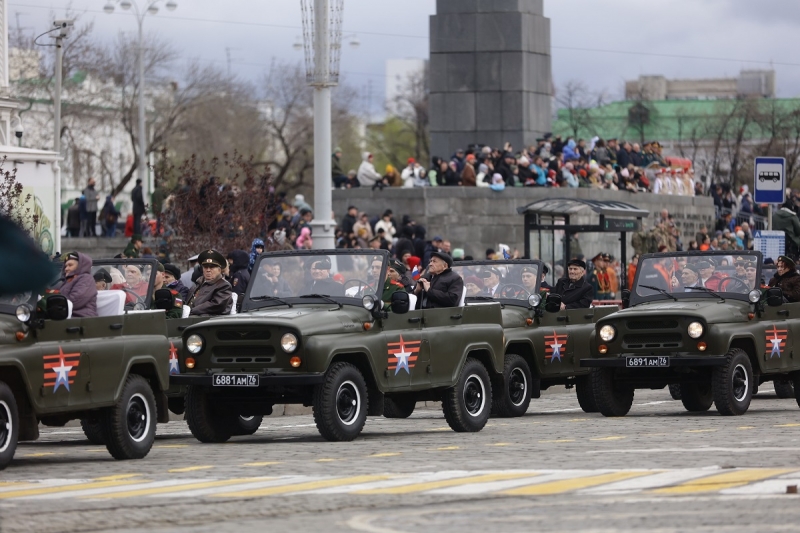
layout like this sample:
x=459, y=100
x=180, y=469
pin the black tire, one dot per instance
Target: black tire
x=783, y=388
x=612, y=399
x=177, y=405
x=400, y=406
x=205, y=422
x=247, y=425
x=129, y=427
x=514, y=397
x=9, y=425
x=585, y=392
x=675, y=390
x=733, y=384
x=697, y=397
x=468, y=404
x=341, y=403
x=93, y=429
x=796, y=384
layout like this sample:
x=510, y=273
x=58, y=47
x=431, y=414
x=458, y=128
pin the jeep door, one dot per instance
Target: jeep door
x=554, y=341
x=405, y=351
x=444, y=330
x=779, y=326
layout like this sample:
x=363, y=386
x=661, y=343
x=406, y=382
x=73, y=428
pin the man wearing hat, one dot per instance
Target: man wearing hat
x=78, y=285
x=186, y=277
x=690, y=277
x=575, y=291
x=603, y=279
x=528, y=276
x=393, y=283
x=213, y=294
x=102, y=279
x=786, y=278
x=491, y=280
x=176, y=308
x=708, y=276
x=132, y=250
x=321, y=276
x=172, y=279
x=440, y=286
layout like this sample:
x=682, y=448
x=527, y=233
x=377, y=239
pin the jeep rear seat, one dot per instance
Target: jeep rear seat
x=110, y=303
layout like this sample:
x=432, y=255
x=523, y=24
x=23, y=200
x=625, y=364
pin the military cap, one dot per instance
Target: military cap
x=789, y=262
x=212, y=258
x=160, y=266
x=693, y=267
x=577, y=262
x=487, y=271
x=444, y=257
x=71, y=255
x=397, y=266
x=136, y=237
x=528, y=270
x=600, y=255
x=321, y=264
x=102, y=275
x=700, y=265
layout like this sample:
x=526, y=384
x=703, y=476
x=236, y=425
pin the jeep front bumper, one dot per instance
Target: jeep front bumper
x=621, y=362
x=264, y=381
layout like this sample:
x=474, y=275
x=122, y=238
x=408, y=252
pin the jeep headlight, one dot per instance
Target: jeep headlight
x=23, y=313
x=534, y=300
x=194, y=343
x=695, y=330
x=368, y=302
x=754, y=296
x=607, y=333
x=289, y=342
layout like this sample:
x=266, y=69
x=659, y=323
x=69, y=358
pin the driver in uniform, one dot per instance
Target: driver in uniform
x=528, y=275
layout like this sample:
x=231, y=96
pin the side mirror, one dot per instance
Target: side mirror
x=400, y=302
x=163, y=300
x=553, y=303
x=57, y=307
x=774, y=297
x=626, y=298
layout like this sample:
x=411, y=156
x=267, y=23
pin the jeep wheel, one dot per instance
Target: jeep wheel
x=783, y=388
x=467, y=405
x=583, y=387
x=696, y=397
x=177, y=405
x=9, y=425
x=612, y=399
x=341, y=403
x=514, y=397
x=93, y=429
x=733, y=384
x=675, y=390
x=247, y=425
x=399, y=406
x=206, y=423
x=129, y=427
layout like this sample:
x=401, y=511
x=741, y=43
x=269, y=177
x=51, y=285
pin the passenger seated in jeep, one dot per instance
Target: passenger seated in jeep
x=440, y=286
x=322, y=282
x=78, y=285
x=102, y=279
x=213, y=294
x=575, y=291
x=787, y=279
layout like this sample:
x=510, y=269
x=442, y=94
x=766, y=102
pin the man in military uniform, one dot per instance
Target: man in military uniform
x=741, y=268
x=528, y=275
x=213, y=294
x=394, y=273
x=132, y=250
x=603, y=279
x=176, y=310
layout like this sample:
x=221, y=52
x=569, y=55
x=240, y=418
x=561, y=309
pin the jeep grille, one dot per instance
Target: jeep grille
x=663, y=340
x=243, y=335
x=652, y=324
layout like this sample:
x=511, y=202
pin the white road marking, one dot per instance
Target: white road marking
x=709, y=449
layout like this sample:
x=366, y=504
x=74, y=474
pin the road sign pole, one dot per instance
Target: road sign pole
x=769, y=217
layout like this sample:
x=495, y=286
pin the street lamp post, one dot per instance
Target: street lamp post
x=151, y=8
x=322, y=39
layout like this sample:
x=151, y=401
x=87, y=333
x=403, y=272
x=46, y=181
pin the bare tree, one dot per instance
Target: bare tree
x=575, y=98
x=14, y=204
x=410, y=109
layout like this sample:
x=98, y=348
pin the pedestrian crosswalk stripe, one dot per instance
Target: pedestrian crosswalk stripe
x=178, y=487
x=432, y=485
x=299, y=487
x=567, y=485
x=727, y=480
x=62, y=488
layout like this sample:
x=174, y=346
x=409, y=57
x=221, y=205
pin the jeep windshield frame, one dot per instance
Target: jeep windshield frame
x=290, y=283
x=654, y=269
x=150, y=266
x=511, y=270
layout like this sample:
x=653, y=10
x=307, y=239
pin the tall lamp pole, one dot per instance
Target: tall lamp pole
x=322, y=39
x=152, y=9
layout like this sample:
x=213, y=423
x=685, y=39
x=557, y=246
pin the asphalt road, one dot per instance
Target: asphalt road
x=659, y=469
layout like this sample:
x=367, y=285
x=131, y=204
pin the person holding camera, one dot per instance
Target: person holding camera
x=439, y=286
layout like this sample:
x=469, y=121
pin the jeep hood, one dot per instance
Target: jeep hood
x=309, y=320
x=709, y=309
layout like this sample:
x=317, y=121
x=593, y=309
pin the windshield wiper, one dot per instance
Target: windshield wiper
x=481, y=298
x=271, y=299
x=322, y=296
x=657, y=289
x=709, y=291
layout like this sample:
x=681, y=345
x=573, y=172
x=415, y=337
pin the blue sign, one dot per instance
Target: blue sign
x=770, y=180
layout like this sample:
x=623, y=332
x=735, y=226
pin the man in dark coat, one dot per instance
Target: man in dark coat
x=239, y=261
x=213, y=294
x=575, y=291
x=321, y=276
x=787, y=279
x=440, y=286
x=74, y=219
x=172, y=279
x=138, y=206
x=349, y=220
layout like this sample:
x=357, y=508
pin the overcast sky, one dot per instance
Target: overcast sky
x=714, y=38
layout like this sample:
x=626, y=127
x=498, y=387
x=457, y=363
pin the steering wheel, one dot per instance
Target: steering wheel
x=350, y=283
x=512, y=290
x=738, y=285
x=138, y=299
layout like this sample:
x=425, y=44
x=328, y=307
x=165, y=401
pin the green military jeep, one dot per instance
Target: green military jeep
x=110, y=371
x=693, y=320
x=544, y=344
x=314, y=331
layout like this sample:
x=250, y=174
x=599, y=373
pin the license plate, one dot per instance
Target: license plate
x=235, y=380
x=647, y=361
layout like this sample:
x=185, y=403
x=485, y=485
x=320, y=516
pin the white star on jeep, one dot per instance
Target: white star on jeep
x=776, y=346
x=62, y=375
x=556, y=350
x=402, y=361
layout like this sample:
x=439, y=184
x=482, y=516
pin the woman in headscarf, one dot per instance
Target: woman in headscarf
x=256, y=249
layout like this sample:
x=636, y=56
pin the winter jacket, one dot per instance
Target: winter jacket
x=570, y=151
x=138, y=201
x=388, y=229
x=253, y=253
x=80, y=288
x=445, y=290
x=211, y=298
x=574, y=294
x=240, y=274
x=367, y=175
x=347, y=224
x=468, y=178
x=789, y=283
x=91, y=199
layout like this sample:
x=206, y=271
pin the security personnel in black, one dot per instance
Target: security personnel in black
x=174, y=309
x=575, y=291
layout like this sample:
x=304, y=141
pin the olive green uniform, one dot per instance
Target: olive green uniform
x=390, y=287
x=177, y=305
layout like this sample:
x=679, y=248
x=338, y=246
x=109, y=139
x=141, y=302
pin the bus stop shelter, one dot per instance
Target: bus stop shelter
x=550, y=227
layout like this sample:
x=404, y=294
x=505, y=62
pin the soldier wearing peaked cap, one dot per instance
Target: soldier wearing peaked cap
x=213, y=295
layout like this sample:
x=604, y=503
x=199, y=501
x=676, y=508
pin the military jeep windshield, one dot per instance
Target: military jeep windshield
x=510, y=282
x=696, y=275
x=304, y=277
